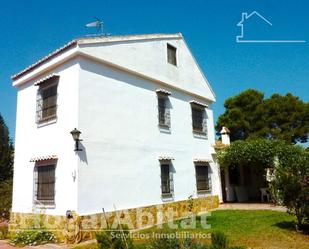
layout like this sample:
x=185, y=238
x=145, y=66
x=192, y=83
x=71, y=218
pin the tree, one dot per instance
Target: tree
x=250, y=115
x=250, y=153
x=291, y=181
x=287, y=118
x=6, y=170
x=6, y=153
x=290, y=163
x=243, y=114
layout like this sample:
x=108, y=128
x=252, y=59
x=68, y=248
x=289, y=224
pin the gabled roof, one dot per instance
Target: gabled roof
x=117, y=55
x=93, y=40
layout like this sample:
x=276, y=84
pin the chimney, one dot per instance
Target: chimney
x=225, y=136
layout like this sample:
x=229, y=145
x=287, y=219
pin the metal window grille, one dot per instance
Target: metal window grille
x=165, y=179
x=163, y=111
x=197, y=119
x=45, y=184
x=47, y=103
x=202, y=178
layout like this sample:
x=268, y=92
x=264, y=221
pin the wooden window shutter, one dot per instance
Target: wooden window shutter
x=45, y=184
x=47, y=102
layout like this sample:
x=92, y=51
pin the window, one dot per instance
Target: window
x=199, y=119
x=166, y=179
x=202, y=180
x=47, y=102
x=171, y=55
x=163, y=111
x=45, y=184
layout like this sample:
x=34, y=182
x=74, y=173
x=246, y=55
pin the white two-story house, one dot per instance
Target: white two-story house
x=142, y=106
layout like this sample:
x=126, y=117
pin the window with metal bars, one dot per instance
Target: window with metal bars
x=202, y=178
x=45, y=185
x=163, y=111
x=199, y=121
x=47, y=102
x=165, y=179
x=171, y=55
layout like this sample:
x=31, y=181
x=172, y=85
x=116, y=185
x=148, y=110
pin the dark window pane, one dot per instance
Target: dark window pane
x=234, y=175
x=49, y=102
x=162, y=108
x=171, y=55
x=202, y=178
x=46, y=183
x=165, y=179
x=197, y=119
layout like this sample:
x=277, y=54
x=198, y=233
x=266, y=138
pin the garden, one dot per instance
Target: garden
x=229, y=229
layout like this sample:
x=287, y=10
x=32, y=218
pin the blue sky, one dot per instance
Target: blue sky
x=31, y=29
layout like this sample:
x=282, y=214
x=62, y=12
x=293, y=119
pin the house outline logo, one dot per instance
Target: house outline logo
x=241, y=39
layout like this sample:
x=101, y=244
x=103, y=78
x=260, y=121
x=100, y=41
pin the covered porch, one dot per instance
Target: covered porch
x=244, y=184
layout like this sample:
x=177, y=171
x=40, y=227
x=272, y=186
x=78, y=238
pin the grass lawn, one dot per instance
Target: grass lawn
x=253, y=229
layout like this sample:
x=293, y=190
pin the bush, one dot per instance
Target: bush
x=115, y=239
x=4, y=230
x=5, y=199
x=219, y=240
x=174, y=243
x=291, y=181
x=165, y=243
x=33, y=238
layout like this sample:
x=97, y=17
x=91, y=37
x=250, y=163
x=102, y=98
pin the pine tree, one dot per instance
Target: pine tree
x=6, y=152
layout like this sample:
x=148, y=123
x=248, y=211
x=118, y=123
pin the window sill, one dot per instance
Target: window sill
x=164, y=126
x=167, y=197
x=43, y=123
x=203, y=193
x=174, y=65
x=164, y=129
x=199, y=134
x=45, y=206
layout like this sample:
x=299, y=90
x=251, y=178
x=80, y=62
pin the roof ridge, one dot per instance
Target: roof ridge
x=99, y=39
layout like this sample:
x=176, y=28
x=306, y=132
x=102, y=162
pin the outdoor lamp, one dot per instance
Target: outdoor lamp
x=75, y=134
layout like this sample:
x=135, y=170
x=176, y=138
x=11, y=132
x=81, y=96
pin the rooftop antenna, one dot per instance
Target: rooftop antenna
x=98, y=24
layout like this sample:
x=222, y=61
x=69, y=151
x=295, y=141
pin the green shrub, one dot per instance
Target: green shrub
x=4, y=230
x=5, y=199
x=170, y=241
x=33, y=238
x=165, y=243
x=291, y=182
x=116, y=239
x=219, y=240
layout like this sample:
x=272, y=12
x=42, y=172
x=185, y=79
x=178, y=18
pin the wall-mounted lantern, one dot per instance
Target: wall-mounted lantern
x=75, y=134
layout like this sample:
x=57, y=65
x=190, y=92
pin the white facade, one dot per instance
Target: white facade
x=107, y=89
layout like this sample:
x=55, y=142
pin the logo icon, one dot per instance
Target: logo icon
x=242, y=38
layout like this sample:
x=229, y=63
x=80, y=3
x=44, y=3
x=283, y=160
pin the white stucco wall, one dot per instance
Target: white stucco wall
x=53, y=139
x=149, y=57
x=122, y=141
x=117, y=115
